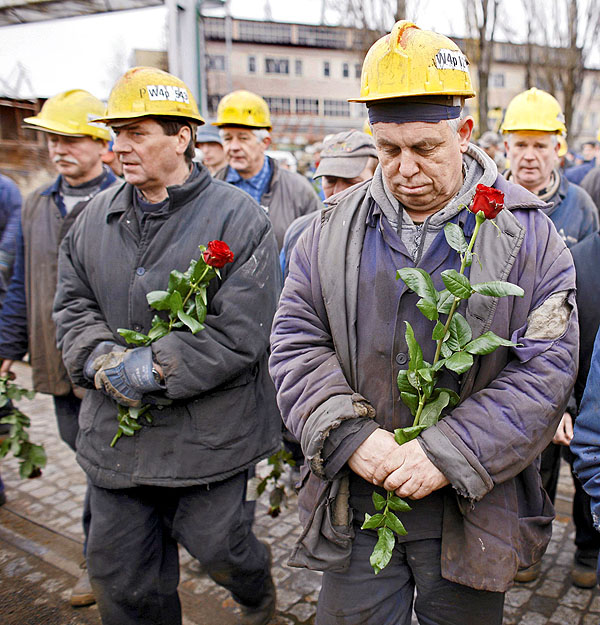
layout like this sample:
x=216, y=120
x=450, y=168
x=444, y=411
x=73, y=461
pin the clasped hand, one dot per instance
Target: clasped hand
x=404, y=469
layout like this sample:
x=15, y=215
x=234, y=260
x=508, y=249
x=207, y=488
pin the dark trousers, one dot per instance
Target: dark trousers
x=66, y=408
x=587, y=539
x=359, y=597
x=132, y=551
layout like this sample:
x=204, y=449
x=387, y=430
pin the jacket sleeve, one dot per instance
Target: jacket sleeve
x=80, y=324
x=240, y=314
x=500, y=429
x=310, y=200
x=586, y=439
x=313, y=394
x=13, y=320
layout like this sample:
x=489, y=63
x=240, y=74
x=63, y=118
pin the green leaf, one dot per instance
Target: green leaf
x=25, y=469
x=395, y=503
x=454, y=398
x=159, y=300
x=459, y=362
x=445, y=301
x=439, y=364
x=190, y=322
x=433, y=410
x=382, y=553
x=404, y=386
x=457, y=284
x=411, y=400
x=176, y=303
x=201, y=309
x=428, y=308
x=498, y=288
x=455, y=238
x=395, y=524
x=378, y=500
x=178, y=282
x=438, y=332
x=446, y=351
x=414, y=349
x=372, y=522
x=426, y=374
x=487, y=343
x=460, y=330
x=159, y=329
x=132, y=337
x=37, y=455
x=419, y=281
x=403, y=435
x=468, y=259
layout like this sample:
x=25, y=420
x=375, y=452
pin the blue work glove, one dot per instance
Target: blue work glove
x=102, y=349
x=127, y=376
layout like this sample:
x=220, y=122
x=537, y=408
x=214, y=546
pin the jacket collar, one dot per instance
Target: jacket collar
x=109, y=178
x=179, y=195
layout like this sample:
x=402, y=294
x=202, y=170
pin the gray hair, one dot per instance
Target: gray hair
x=514, y=132
x=259, y=133
x=455, y=123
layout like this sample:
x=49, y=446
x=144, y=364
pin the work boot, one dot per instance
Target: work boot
x=583, y=576
x=529, y=573
x=82, y=593
x=262, y=613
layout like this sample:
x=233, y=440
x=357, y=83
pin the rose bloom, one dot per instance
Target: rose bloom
x=488, y=200
x=217, y=254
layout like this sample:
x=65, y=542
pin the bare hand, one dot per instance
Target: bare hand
x=5, y=369
x=410, y=473
x=564, y=431
x=367, y=458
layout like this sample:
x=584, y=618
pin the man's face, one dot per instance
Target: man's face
x=78, y=159
x=149, y=157
x=245, y=153
x=588, y=151
x=533, y=155
x=422, y=162
x=335, y=184
x=213, y=154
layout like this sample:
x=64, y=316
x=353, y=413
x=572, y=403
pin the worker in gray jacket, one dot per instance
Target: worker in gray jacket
x=182, y=478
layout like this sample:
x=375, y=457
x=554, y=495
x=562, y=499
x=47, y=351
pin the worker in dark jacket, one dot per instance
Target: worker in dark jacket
x=75, y=147
x=339, y=342
x=181, y=478
x=532, y=125
x=245, y=121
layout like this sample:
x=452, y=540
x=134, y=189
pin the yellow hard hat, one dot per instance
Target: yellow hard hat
x=243, y=108
x=534, y=109
x=71, y=113
x=563, y=147
x=367, y=127
x=413, y=62
x=147, y=91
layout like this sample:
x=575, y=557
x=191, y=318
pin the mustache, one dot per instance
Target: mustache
x=65, y=159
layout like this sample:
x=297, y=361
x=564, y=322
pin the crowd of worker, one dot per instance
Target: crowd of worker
x=303, y=337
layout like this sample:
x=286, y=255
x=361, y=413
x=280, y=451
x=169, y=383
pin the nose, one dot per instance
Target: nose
x=60, y=146
x=408, y=166
x=120, y=144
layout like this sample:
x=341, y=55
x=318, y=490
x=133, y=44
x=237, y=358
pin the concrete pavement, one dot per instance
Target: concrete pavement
x=41, y=539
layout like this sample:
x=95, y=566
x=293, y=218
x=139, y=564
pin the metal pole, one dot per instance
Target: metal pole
x=228, y=45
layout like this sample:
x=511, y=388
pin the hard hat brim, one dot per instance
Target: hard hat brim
x=129, y=117
x=34, y=123
x=402, y=96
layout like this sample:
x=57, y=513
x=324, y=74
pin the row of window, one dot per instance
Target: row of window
x=283, y=66
x=303, y=106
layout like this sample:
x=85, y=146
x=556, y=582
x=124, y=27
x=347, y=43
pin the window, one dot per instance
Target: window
x=497, y=80
x=279, y=105
x=357, y=70
x=215, y=62
x=265, y=32
x=277, y=66
x=321, y=37
x=336, y=108
x=252, y=65
x=298, y=67
x=345, y=70
x=326, y=69
x=306, y=106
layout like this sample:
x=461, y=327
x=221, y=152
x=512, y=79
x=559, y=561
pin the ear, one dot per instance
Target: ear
x=266, y=142
x=465, y=130
x=183, y=139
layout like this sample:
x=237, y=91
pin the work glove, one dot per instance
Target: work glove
x=102, y=349
x=127, y=375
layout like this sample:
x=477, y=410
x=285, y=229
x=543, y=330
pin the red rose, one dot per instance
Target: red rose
x=217, y=254
x=488, y=200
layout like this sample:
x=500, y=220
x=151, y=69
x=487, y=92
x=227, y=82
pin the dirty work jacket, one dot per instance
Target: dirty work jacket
x=497, y=516
x=288, y=196
x=26, y=319
x=223, y=418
